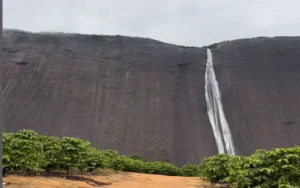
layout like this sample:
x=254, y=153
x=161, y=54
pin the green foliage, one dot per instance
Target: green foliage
x=93, y=160
x=217, y=167
x=137, y=157
x=24, y=151
x=6, y=156
x=134, y=165
x=108, y=158
x=119, y=163
x=52, y=148
x=74, y=153
x=190, y=170
x=162, y=168
x=275, y=168
x=28, y=151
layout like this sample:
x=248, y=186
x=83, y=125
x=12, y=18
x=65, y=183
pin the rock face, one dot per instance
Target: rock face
x=260, y=83
x=143, y=96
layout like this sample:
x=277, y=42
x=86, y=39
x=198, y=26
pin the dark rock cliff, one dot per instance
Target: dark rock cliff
x=260, y=83
x=143, y=96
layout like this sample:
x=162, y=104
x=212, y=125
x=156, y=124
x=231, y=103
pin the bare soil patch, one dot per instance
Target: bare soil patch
x=118, y=180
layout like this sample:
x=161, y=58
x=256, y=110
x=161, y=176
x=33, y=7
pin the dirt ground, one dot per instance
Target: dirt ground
x=118, y=180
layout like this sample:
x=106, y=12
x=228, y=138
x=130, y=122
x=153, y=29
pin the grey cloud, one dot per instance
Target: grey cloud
x=183, y=22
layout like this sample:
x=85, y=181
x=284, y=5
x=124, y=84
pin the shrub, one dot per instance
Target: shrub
x=162, y=168
x=74, y=153
x=25, y=151
x=28, y=151
x=107, y=158
x=52, y=149
x=275, y=168
x=279, y=167
x=217, y=167
x=190, y=170
x=133, y=165
x=6, y=156
x=210, y=167
x=119, y=163
x=137, y=157
x=93, y=160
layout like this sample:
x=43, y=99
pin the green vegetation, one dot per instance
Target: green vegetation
x=26, y=151
x=137, y=157
x=270, y=169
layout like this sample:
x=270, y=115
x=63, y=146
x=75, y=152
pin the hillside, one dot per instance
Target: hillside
x=143, y=96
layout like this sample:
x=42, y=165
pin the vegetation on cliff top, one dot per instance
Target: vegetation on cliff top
x=28, y=152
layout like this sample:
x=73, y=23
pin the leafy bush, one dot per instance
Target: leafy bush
x=74, y=153
x=162, y=168
x=133, y=165
x=119, y=163
x=137, y=157
x=28, y=151
x=107, y=158
x=217, y=167
x=275, y=168
x=6, y=156
x=52, y=149
x=93, y=160
x=24, y=151
x=190, y=170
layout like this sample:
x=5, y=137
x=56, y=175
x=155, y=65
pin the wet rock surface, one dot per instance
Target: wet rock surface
x=143, y=96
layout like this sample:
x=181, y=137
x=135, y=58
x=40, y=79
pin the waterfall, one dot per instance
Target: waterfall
x=215, y=110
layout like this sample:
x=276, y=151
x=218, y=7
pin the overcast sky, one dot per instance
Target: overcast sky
x=182, y=22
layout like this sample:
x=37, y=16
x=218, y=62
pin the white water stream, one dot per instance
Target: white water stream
x=215, y=110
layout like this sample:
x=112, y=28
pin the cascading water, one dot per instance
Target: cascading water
x=215, y=110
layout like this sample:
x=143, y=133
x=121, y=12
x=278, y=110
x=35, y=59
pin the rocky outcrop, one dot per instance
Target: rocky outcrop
x=143, y=96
